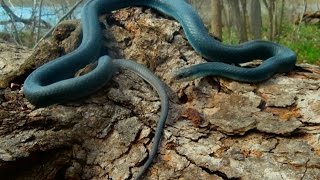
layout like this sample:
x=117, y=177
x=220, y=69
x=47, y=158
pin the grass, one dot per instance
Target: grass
x=305, y=42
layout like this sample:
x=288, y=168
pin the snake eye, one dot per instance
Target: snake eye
x=178, y=75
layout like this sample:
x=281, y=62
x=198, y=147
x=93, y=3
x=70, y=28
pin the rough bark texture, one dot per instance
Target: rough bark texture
x=217, y=128
x=11, y=58
x=237, y=20
x=255, y=19
x=216, y=22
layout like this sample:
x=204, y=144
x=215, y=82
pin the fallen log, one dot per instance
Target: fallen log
x=217, y=128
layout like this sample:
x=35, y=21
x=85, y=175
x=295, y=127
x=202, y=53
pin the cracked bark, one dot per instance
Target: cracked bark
x=217, y=128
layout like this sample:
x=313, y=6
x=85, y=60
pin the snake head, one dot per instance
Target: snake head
x=183, y=75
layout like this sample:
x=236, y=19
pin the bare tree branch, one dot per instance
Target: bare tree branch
x=61, y=19
x=271, y=10
x=280, y=25
x=266, y=4
x=15, y=18
x=12, y=20
x=39, y=21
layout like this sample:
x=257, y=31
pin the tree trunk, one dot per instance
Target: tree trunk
x=39, y=20
x=276, y=19
x=270, y=5
x=244, y=17
x=238, y=20
x=216, y=21
x=228, y=20
x=305, y=4
x=255, y=19
x=281, y=16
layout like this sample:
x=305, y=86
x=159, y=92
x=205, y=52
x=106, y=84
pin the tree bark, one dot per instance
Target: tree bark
x=255, y=19
x=244, y=16
x=39, y=20
x=216, y=129
x=238, y=21
x=216, y=20
x=281, y=16
x=270, y=5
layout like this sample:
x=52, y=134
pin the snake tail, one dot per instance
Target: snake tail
x=157, y=84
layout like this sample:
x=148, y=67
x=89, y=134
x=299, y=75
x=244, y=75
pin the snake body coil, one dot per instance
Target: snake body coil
x=54, y=82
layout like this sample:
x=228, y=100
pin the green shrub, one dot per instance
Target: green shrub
x=305, y=42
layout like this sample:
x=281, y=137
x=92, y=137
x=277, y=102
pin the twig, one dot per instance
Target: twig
x=12, y=6
x=39, y=21
x=33, y=12
x=61, y=19
x=15, y=32
x=280, y=26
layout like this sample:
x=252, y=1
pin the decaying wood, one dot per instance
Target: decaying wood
x=11, y=58
x=217, y=128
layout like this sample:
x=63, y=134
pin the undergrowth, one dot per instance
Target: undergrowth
x=304, y=41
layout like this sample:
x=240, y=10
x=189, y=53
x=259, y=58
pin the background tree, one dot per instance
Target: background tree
x=237, y=20
x=281, y=16
x=244, y=16
x=216, y=21
x=270, y=5
x=34, y=26
x=255, y=19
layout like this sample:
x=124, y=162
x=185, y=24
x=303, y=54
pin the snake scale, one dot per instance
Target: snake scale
x=54, y=82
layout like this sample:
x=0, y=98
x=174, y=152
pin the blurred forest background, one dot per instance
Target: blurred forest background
x=294, y=23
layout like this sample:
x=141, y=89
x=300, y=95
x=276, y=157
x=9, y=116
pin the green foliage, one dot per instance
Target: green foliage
x=305, y=42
